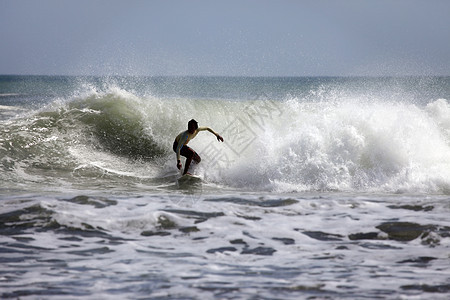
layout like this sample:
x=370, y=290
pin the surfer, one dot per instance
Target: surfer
x=180, y=144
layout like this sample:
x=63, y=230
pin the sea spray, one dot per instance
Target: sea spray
x=343, y=146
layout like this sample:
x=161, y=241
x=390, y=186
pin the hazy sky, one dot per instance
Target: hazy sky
x=242, y=37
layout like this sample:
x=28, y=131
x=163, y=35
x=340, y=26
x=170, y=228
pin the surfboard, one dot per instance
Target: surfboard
x=189, y=180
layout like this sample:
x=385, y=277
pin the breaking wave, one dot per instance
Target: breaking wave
x=290, y=145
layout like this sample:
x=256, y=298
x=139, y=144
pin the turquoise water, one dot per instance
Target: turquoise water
x=324, y=187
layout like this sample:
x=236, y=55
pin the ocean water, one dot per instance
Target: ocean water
x=325, y=188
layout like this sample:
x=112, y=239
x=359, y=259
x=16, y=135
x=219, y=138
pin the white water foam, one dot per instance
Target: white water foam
x=329, y=146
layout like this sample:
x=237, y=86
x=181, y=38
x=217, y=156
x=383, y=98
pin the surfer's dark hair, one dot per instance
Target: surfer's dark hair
x=193, y=123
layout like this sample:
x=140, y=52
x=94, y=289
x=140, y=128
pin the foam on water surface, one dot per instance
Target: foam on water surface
x=327, y=246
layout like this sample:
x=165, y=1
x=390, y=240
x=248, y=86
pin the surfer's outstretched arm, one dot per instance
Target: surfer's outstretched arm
x=219, y=138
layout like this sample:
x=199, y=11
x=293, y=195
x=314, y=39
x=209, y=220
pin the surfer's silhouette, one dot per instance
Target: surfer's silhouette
x=180, y=144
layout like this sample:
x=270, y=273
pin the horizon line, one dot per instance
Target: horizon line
x=234, y=76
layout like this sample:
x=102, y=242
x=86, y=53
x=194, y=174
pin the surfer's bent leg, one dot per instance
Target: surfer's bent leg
x=189, y=154
x=197, y=158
